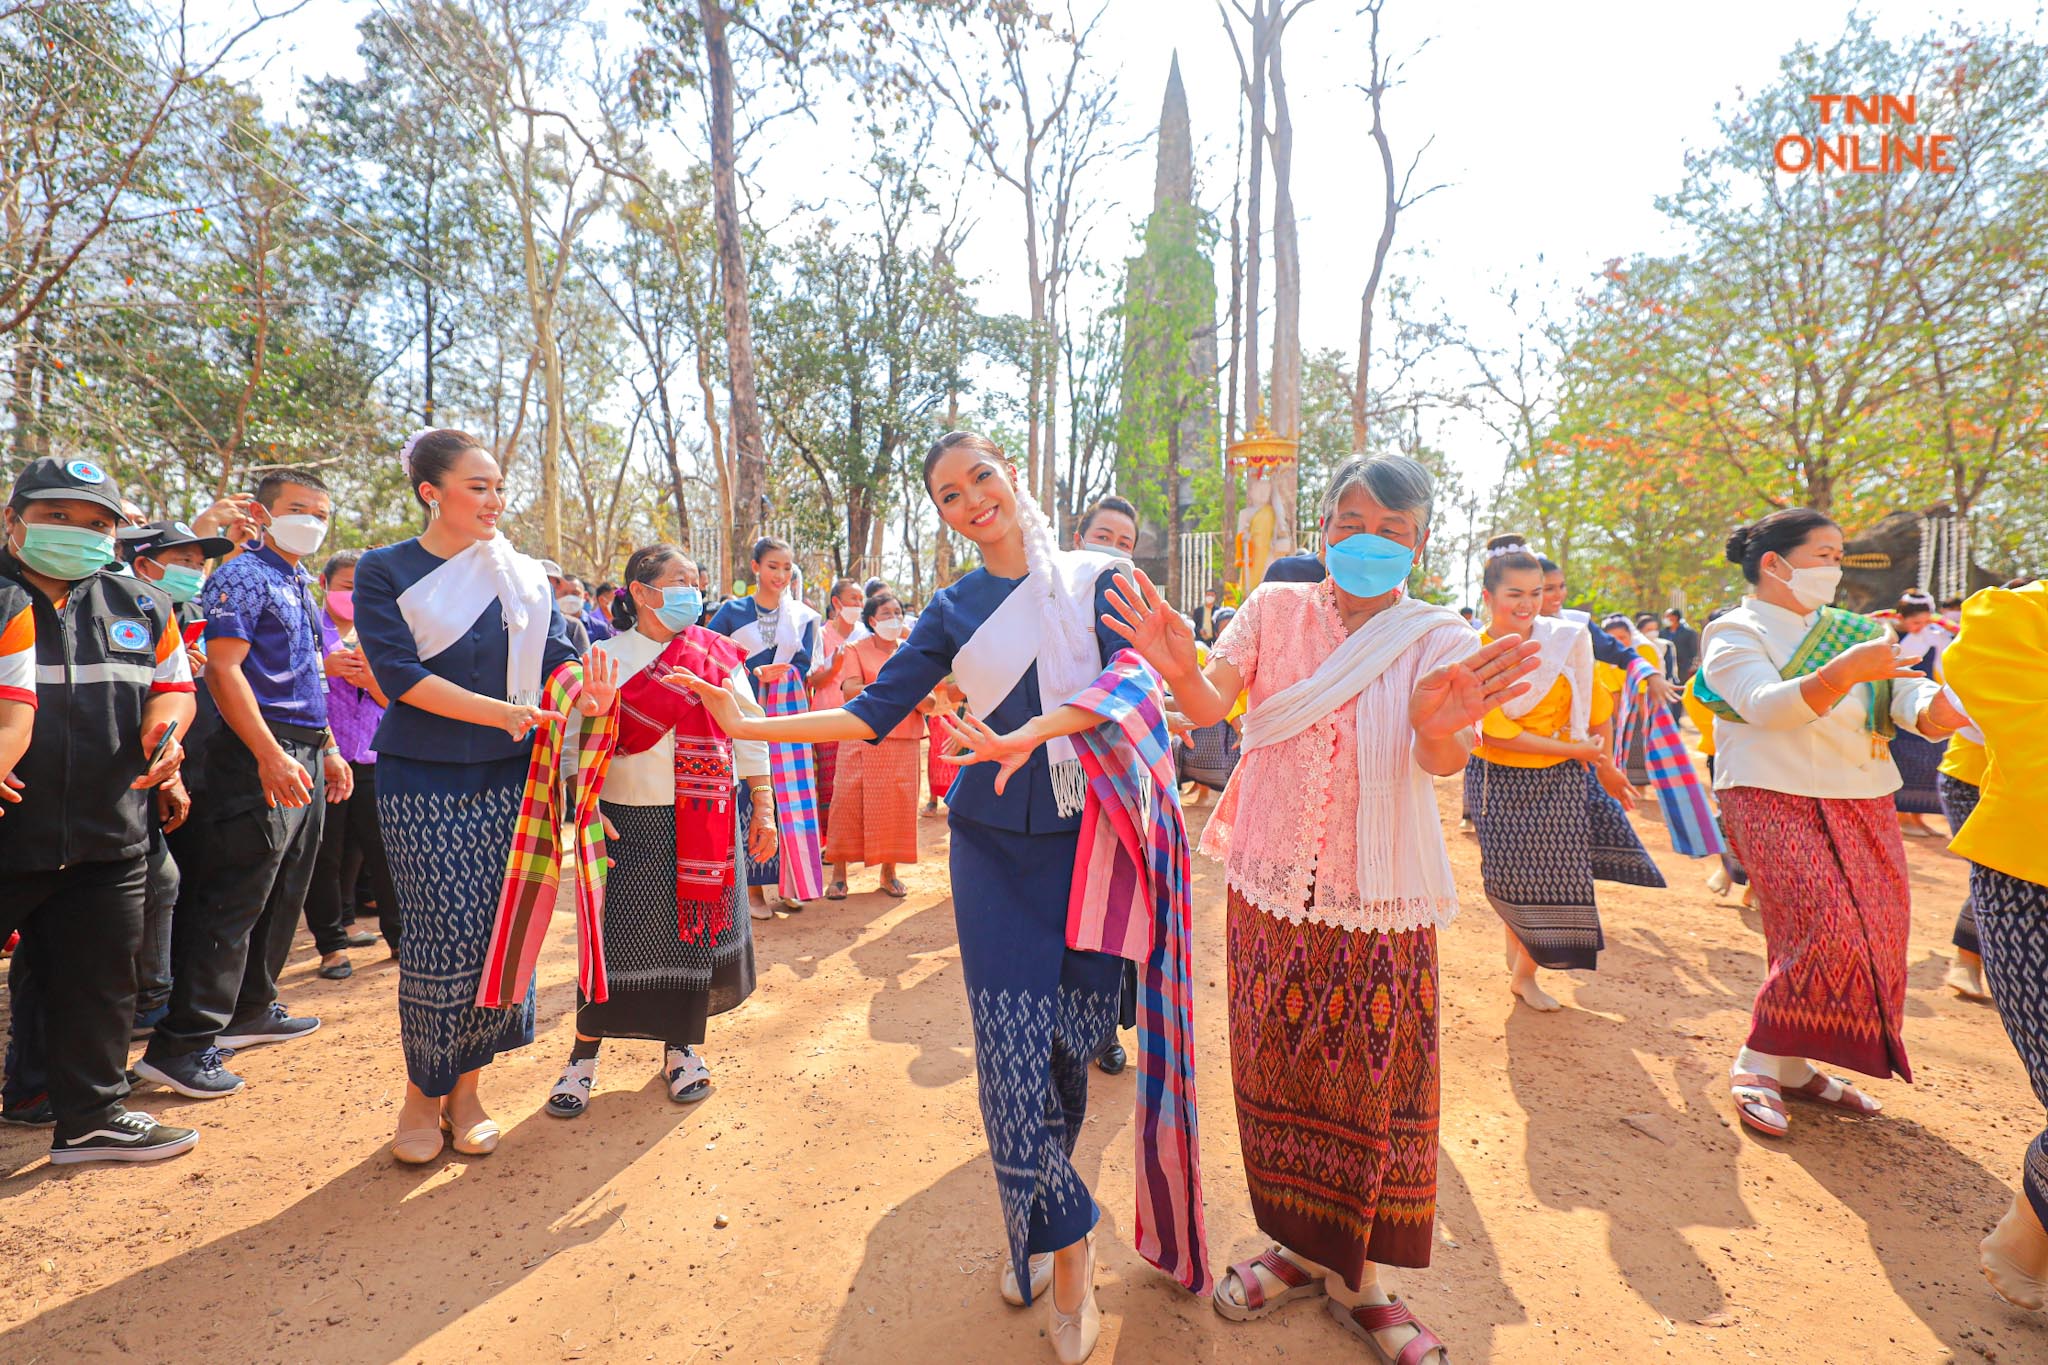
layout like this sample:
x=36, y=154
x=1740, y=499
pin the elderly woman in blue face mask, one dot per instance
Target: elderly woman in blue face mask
x=1338, y=879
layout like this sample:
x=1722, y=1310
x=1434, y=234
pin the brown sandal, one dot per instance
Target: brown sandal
x=1368, y=1318
x=1300, y=1285
x=1767, y=1097
x=1836, y=1093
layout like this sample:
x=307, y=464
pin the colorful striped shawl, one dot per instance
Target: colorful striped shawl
x=1834, y=632
x=1688, y=815
x=796, y=797
x=1132, y=897
x=563, y=780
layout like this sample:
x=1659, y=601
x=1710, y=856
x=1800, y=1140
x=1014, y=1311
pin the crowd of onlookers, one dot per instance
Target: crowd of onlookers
x=189, y=773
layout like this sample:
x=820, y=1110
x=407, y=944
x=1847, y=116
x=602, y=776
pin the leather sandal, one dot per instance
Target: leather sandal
x=835, y=891
x=1836, y=1093
x=895, y=887
x=1759, y=1103
x=1368, y=1318
x=1257, y=1304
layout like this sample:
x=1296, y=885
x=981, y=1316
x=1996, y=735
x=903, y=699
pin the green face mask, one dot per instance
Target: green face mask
x=181, y=583
x=65, y=552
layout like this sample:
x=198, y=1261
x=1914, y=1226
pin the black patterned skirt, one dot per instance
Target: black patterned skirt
x=661, y=987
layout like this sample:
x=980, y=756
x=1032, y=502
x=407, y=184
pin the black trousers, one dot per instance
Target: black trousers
x=153, y=959
x=351, y=848
x=231, y=937
x=85, y=922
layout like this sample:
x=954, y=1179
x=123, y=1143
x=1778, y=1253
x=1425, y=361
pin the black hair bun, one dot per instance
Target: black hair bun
x=1737, y=549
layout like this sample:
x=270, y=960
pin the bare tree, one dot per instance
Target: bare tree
x=1399, y=195
x=1058, y=119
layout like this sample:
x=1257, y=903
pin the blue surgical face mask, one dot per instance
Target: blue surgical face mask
x=180, y=583
x=680, y=607
x=1366, y=565
x=68, y=553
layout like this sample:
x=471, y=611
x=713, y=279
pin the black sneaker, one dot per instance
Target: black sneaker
x=1112, y=1059
x=274, y=1027
x=197, y=1075
x=128, y=1136
x=36, y=1113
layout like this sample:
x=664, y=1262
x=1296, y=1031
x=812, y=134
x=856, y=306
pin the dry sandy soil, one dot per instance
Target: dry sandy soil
x=1598, y=1202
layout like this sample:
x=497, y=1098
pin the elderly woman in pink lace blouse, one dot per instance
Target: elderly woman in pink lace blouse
x=1337, y=879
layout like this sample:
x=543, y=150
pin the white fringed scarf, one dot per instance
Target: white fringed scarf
x=441, y=607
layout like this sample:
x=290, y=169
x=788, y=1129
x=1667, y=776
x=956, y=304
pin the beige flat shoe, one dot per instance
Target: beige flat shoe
x=417, y=1146
x=1041, y=1278
x=1074, y=1334
x=479, y=1140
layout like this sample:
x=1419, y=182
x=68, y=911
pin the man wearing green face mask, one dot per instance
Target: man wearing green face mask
x=113, y=691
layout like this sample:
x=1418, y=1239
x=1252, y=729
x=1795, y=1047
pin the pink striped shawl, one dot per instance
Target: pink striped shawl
x=1132, y=897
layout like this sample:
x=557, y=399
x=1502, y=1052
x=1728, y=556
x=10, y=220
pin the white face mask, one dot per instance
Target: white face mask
x=891, y=629
x=298, y=534
x=850, y=615
x=571, y=607
x=1814, y=586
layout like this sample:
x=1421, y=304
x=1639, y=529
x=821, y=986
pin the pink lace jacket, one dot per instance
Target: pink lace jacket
x=1287, y=820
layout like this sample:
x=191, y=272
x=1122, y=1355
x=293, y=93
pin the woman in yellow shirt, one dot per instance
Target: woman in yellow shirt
x=1959, y=782
x=1542, y=791
x=1999, y=667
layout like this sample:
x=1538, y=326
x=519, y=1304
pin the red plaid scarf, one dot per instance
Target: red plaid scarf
x=558, y=806
x=650, y=708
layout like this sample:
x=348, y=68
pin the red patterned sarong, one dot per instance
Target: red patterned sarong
x=1334, y=1062
x=1830, y=878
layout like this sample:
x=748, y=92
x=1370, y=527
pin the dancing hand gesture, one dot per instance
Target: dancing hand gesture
x=600, y=683
x=1162, y=637
x=1459, y=695
x=968, y=740
x=722, y=703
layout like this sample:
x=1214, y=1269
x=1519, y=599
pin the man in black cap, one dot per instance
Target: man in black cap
x=172, y=556
x=113, y=691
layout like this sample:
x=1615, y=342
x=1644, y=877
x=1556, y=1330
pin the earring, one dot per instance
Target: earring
x=433, y=511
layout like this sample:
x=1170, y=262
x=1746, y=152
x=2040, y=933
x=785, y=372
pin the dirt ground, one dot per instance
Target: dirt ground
x=1598, y=1201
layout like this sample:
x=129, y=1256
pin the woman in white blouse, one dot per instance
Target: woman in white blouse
x=1805, y=696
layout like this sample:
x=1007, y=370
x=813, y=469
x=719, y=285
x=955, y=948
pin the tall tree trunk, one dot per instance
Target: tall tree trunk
x=1255, y=182
x=1227, y=531
x=1361, y=394
x=1286, y=376
x=427, y=295
x=750, y=482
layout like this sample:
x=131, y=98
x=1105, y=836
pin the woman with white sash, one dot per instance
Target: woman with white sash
x=1337, y=881
x=1021, y=634
x=1542, y=789
x=461, y=631
x=780, y=635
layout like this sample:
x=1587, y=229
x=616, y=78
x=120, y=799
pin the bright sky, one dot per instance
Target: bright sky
x=1555, y=126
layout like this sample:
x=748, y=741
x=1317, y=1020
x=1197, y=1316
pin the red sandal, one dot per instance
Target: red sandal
x=1300, y=1285
x=1368, y=1318
x=1763, y=1093
x=1836, y=1093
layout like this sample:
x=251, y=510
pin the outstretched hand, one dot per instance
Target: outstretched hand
x=1459, y=695
x=1162, y=637
x=968, y=740
x=600, y=683
x=720, y=701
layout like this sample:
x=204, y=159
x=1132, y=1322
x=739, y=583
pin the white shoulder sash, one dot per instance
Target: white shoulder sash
x=1568, y=653
x=442, y=606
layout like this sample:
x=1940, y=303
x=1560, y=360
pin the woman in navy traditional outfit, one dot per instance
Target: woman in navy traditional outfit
x=460, y=630
x=779, y=633
x=1041, y=1010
